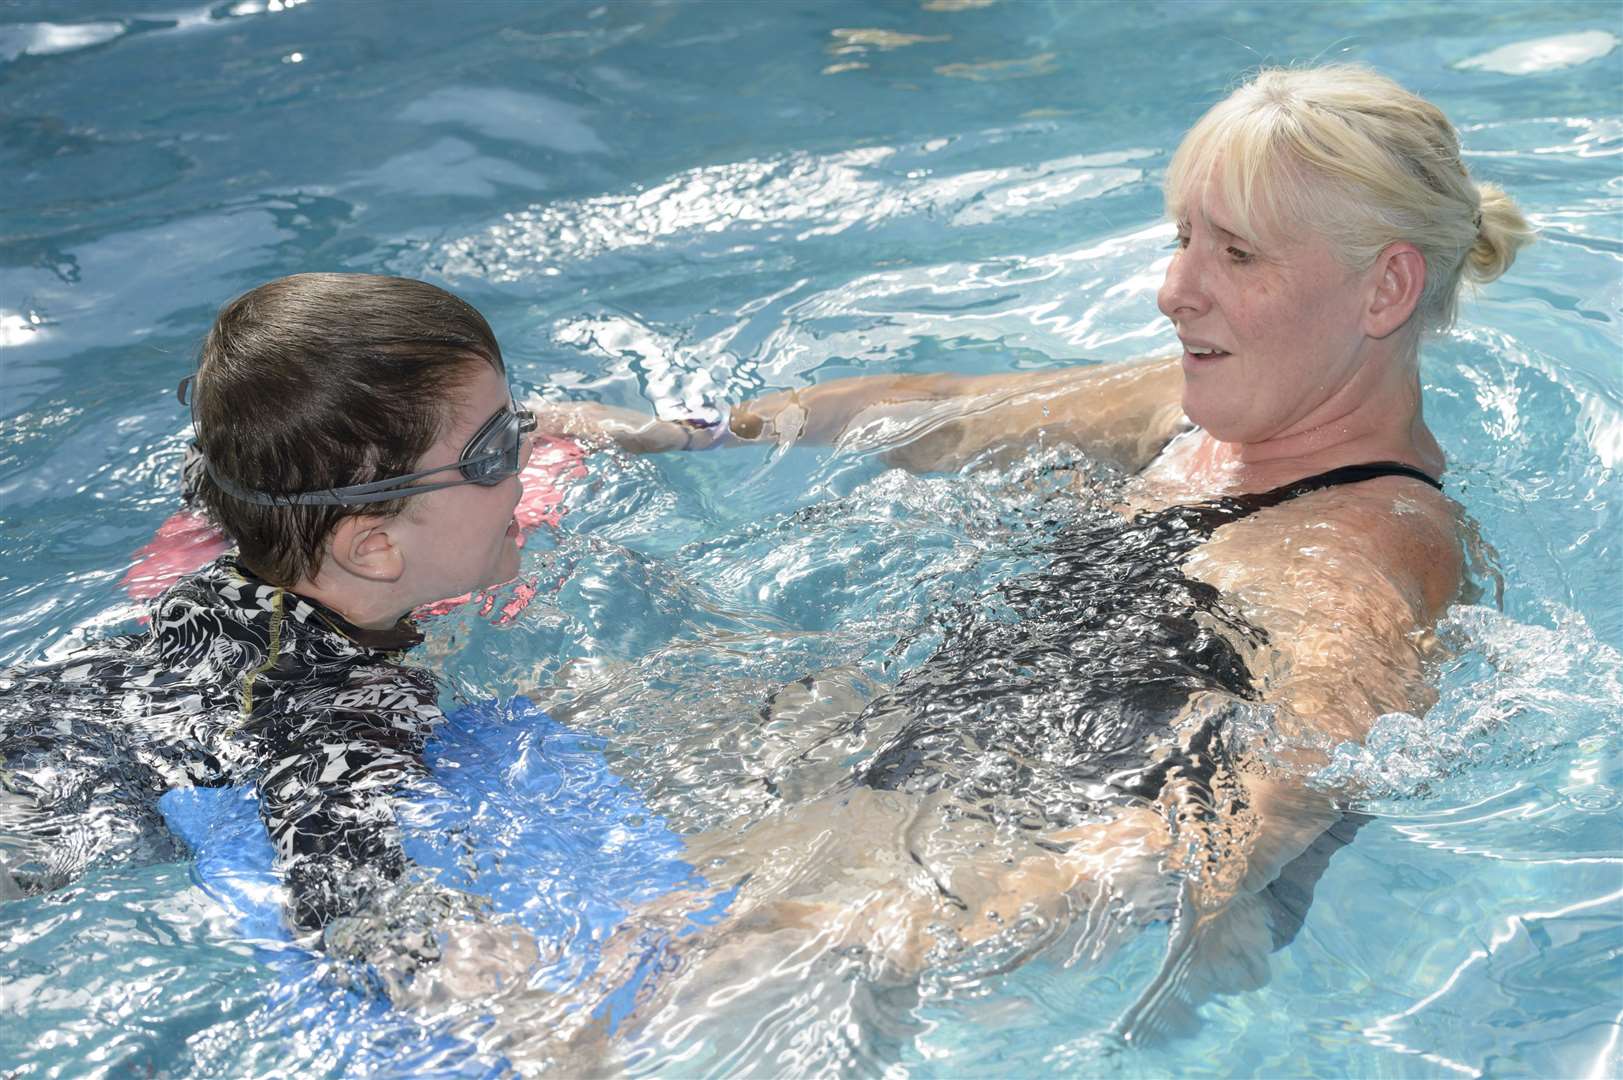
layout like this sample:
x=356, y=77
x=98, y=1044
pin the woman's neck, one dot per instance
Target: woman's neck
x=1377, y=416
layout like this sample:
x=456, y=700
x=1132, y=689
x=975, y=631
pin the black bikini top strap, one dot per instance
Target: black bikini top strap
x=1347, y=474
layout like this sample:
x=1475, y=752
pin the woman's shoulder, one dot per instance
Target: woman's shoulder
x=1390, y=547
x=1408, y=534
x=1347, y=584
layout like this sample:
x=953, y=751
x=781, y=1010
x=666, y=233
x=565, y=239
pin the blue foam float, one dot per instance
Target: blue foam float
x=518, y=809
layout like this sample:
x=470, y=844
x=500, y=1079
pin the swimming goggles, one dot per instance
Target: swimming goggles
x=495, y=452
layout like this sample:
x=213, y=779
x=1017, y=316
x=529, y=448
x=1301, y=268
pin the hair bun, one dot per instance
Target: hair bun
x=1502, y=231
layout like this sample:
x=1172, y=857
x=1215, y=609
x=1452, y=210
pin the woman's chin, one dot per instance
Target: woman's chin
x=1220, y=422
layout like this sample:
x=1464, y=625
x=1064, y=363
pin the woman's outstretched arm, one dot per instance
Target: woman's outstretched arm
x=1125, y=412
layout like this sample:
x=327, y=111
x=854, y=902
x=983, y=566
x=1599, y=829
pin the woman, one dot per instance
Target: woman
x=1142, y=712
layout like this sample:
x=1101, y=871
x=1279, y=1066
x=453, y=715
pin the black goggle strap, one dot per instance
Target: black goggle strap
x=395, y=487
x=511, y=423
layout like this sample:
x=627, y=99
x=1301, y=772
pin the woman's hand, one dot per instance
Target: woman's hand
x=596, y=424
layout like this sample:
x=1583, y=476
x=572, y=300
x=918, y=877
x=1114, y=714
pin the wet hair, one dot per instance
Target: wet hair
x=1351, y=156
x=321, y=380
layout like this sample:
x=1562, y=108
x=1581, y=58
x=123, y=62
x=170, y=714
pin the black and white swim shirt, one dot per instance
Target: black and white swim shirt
x=236, y=681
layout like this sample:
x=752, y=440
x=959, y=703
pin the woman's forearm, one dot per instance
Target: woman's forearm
x=822, y=414
x=924, y=421
x=815, y=414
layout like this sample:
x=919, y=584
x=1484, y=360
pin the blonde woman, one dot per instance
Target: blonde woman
x=1130, y=727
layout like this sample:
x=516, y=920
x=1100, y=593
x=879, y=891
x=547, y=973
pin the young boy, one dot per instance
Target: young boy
x=357, y=439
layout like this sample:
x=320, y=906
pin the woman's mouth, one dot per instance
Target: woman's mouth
x=1199, y=354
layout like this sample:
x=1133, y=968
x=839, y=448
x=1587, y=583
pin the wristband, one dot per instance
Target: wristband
x=720, y=433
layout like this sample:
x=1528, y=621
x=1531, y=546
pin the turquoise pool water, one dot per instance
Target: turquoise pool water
x=667, y=204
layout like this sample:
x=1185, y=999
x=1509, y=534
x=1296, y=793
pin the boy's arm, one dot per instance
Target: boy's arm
x=328, y=802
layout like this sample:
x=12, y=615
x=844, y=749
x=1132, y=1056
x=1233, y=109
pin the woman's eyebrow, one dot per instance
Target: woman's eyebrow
x=1218, y=226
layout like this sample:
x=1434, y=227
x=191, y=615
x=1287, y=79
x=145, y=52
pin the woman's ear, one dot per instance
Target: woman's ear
x=363, y=546
x=1398, y=278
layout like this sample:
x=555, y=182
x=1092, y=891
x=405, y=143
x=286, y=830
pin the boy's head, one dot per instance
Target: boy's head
x=321, y=381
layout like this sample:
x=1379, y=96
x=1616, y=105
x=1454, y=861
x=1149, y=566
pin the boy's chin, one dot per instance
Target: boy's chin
x=509, y=565
x=451, y=603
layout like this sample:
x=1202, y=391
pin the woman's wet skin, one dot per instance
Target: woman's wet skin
x=1298, y=358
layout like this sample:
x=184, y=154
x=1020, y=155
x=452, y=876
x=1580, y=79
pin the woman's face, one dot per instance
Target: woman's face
x=1284, y=319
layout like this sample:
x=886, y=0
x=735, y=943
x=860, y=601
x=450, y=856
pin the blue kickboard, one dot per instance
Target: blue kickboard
x=516, y=808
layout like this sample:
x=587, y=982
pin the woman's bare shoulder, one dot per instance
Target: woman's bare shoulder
x=1409, y=535
x=1347, y=584
x=1391, y=533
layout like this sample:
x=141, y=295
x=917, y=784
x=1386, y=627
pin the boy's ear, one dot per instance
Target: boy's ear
x=363, y=546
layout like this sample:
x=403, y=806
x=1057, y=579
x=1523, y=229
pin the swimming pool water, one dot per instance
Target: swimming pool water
x=668, y=205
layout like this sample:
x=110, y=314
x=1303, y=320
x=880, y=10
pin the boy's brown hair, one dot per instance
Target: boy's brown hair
x=319, y=381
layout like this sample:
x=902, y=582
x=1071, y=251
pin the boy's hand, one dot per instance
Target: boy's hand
x=476, y=960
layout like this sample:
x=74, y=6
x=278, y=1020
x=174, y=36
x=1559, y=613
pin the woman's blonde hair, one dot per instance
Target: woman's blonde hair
x=1353, y=157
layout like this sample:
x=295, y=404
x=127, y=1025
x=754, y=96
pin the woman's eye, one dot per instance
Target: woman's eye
x=1239, y=255
x=1180, y=242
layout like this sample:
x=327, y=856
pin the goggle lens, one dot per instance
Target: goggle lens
x=496, y=450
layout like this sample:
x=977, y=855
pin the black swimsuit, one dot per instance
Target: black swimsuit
x=1057, y=695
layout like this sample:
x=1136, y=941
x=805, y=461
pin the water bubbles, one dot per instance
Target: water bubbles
x=1513, y=695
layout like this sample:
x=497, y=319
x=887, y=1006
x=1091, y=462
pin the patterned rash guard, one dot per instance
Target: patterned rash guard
x=236, y=681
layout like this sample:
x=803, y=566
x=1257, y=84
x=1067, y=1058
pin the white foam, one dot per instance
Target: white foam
x=44, y=39
x=1539, y=55
x=17, y=330
x=1514, y=694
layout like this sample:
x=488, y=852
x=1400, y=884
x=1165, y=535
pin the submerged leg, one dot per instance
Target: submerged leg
x=864, y=892
x=9, y=889
x=74, y=802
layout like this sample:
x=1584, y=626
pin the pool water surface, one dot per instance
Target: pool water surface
x=673, y=206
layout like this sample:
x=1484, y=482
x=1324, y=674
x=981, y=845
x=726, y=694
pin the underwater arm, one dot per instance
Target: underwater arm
x=328, y=803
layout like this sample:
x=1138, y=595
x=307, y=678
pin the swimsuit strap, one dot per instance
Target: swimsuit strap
x=1198, y=521
x=1347, y=474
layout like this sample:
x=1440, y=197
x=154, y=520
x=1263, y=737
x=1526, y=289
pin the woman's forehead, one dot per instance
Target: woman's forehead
x=1208, y=200
x=1234, y=169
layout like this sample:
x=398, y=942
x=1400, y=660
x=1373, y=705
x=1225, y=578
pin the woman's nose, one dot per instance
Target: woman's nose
x=1181, y=295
